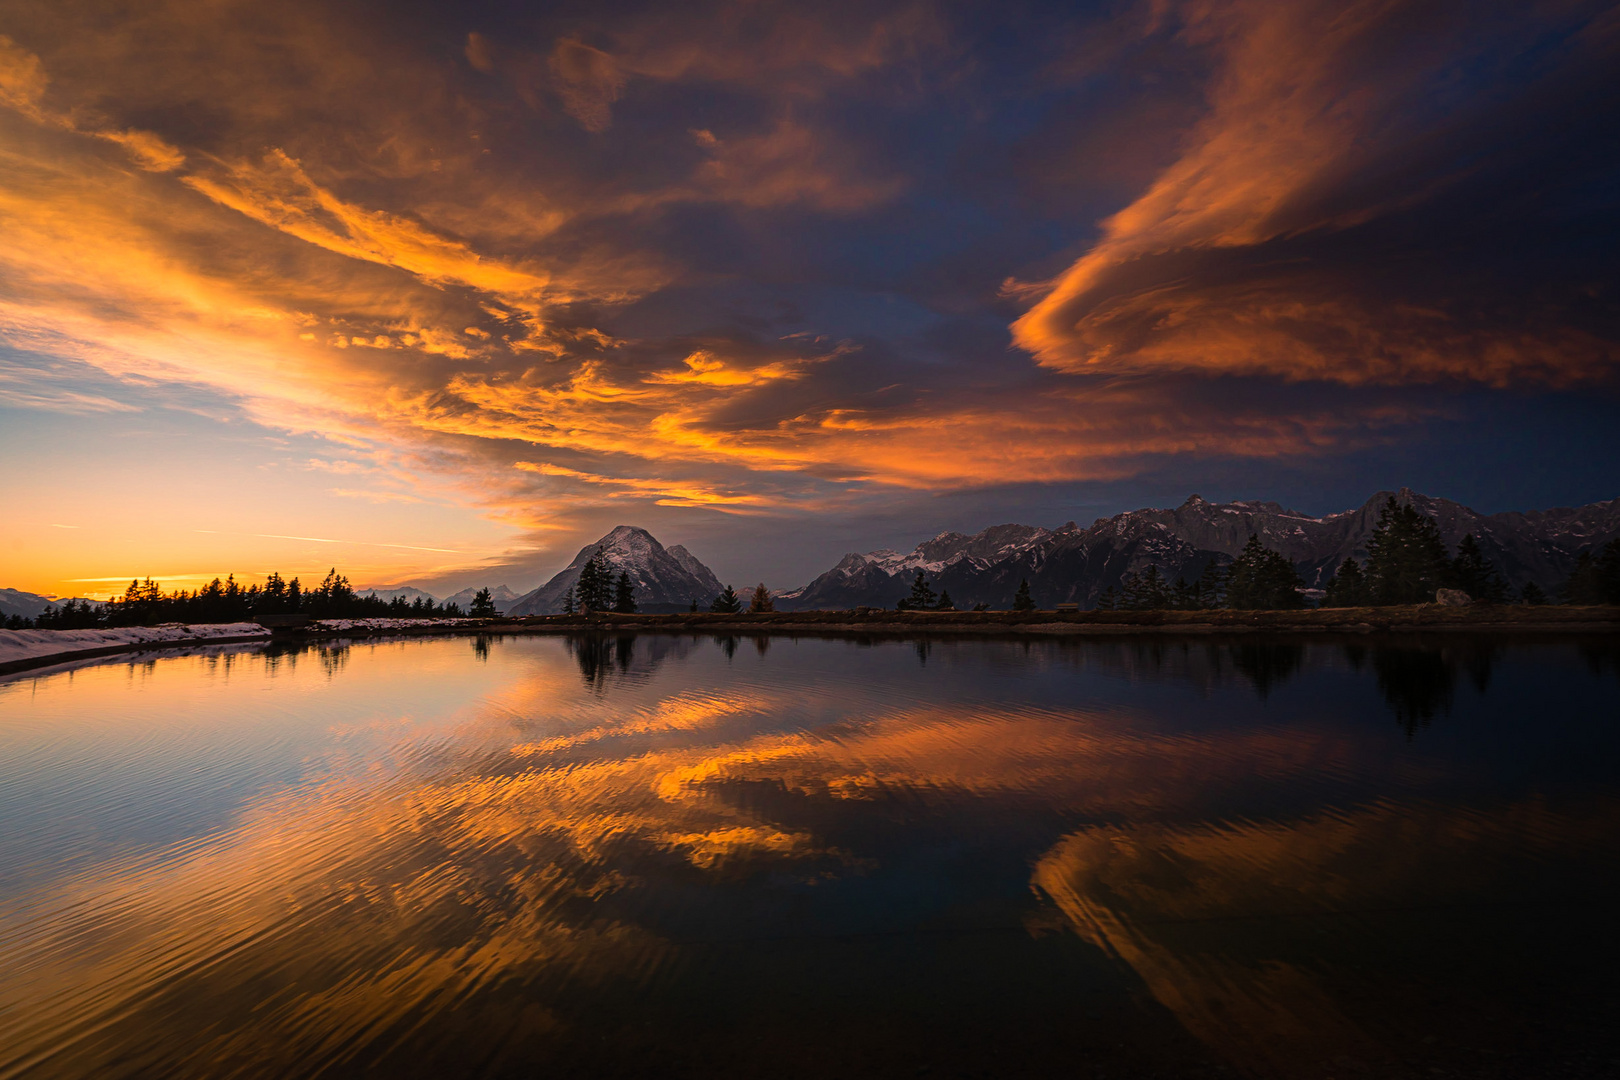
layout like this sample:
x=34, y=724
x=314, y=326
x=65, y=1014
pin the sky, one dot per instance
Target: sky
x=437, y=293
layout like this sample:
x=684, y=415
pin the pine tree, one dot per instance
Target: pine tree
x=568, y=601
x=1406, y=558
x=483, y=604
x=1347, y=587
x=1262, y=579
x=1022, y=600
x=727, y=603
x=1595, y=579
x=694, y=604
x=1107, y=600
x=1155, y=591
x=624, y=594
x=594, y=591
x=761, y=602
x=921, y=597
x=1476, y=575
x=1532, y=595
x=945, y=601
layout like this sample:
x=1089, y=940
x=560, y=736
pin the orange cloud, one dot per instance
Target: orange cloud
x=1223, y=266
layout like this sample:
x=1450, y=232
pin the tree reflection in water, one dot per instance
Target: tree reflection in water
x=597, y=655
x=1267, y=664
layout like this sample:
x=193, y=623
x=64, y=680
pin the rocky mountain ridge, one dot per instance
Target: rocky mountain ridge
x=1072, y=564
x=666, y=579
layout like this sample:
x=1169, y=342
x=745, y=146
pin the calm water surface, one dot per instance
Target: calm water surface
x=530, y=856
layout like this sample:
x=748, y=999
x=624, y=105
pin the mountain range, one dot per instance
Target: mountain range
x=1071, y=564
x=1068, y=564
x=666, y=579
x=28, y=605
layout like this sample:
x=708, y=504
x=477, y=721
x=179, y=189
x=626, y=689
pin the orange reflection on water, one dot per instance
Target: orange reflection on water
x=1185, y=906
x=533, y=850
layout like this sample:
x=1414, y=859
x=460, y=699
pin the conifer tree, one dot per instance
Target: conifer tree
x=624, y=594
x=1476, y=575
x=1347, y=587
x=1130, y=592
x=569, y=606
x=1153, y=591
x=1595, y=579
x=945, y=601
x=761, y=602
x=727, y=603
x=1532, y=595
x=921, y=597
x=1262, y=579
x=1022, y=600
x=594, y=591
x=1108, y=599
x=483, y=604
x=1406, y=558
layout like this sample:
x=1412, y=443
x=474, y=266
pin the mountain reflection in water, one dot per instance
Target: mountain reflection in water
x=613, y=855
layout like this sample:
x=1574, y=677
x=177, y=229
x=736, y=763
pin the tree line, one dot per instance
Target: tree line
x=144, y=603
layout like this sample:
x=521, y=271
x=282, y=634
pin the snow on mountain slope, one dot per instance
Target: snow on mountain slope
x=1073, y=564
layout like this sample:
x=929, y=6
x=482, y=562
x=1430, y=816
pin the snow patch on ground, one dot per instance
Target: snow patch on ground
x=26, y=644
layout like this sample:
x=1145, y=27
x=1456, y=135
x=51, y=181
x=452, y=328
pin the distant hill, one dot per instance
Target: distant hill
x=29, y=605
x=1072, y=564
x=504, y=598
x=26, y=604
x=410, y=593
x=666, y=579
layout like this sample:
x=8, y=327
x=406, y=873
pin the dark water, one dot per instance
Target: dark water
x=695, y=857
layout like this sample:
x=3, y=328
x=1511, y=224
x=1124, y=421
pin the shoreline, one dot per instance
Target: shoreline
x=1419, y=619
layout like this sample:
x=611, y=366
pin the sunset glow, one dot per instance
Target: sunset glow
x=437, y=295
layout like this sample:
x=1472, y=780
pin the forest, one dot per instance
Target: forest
x=144, y=603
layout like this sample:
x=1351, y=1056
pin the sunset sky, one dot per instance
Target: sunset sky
x=436, y=293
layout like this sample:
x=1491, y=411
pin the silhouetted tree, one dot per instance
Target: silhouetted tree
x=1022, y=600
x=569, y=605
x=1476, y=575
x=1108, y=599
x=483, y=604
x=594, y=590
x=1147, y=591
x=1260, y=578
x=624, y=594
x=945, y=601
x=921, y=596
x=761, y=601
x=1406, y=558
x=1347, y=587
x=1532, y=595
x=1595, y=579
x=727, y=603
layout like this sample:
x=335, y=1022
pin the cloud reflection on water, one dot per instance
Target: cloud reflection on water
x=554, y=850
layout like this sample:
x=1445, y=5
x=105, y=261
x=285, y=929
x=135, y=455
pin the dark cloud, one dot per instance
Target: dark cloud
x=609, y=262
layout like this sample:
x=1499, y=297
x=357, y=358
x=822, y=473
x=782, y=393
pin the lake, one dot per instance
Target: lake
x=676, y=856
